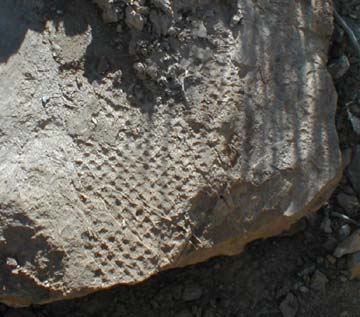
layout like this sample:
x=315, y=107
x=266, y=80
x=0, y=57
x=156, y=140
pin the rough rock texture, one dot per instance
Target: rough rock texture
x=182, y=132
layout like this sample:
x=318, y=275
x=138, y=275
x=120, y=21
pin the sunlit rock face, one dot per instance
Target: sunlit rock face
x=180, y=131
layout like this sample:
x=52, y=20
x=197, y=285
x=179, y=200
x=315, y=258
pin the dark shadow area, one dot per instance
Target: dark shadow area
x=17, y=17
x=106, y=55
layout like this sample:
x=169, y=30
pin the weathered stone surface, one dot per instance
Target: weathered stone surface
x=108, y=177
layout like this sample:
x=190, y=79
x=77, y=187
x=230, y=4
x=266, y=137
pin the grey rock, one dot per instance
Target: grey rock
x=318, y=281
x=45, y=100
x=164, y=5
x=142, y=10
x=109, y=13
x=236, y=19
x=331, y=259
x=344, y=232
x=112, y=184
x=202, y=55
x=140, y=70
x=349, y=245
x=307, y=271
x=289, y=306
x=304, y=289
x=200, y=30
x=134, y=20
x=343, y=279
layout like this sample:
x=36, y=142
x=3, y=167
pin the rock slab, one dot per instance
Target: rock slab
x=125, y=153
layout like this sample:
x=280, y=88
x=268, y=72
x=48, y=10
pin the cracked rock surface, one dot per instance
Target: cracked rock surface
x=175, y=132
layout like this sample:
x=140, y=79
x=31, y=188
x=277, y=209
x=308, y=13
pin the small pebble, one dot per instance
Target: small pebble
x=343, y=278
x=350, y=245
x=134, y=20
x=344, y=232
x=11, y=263
x=200, y=30
x=289, y=306
x=318, y=281
x=45, y=100
x=140, y=70
x=304, y=289
x=236, y=19
x=331, y=259
x=307, y=271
